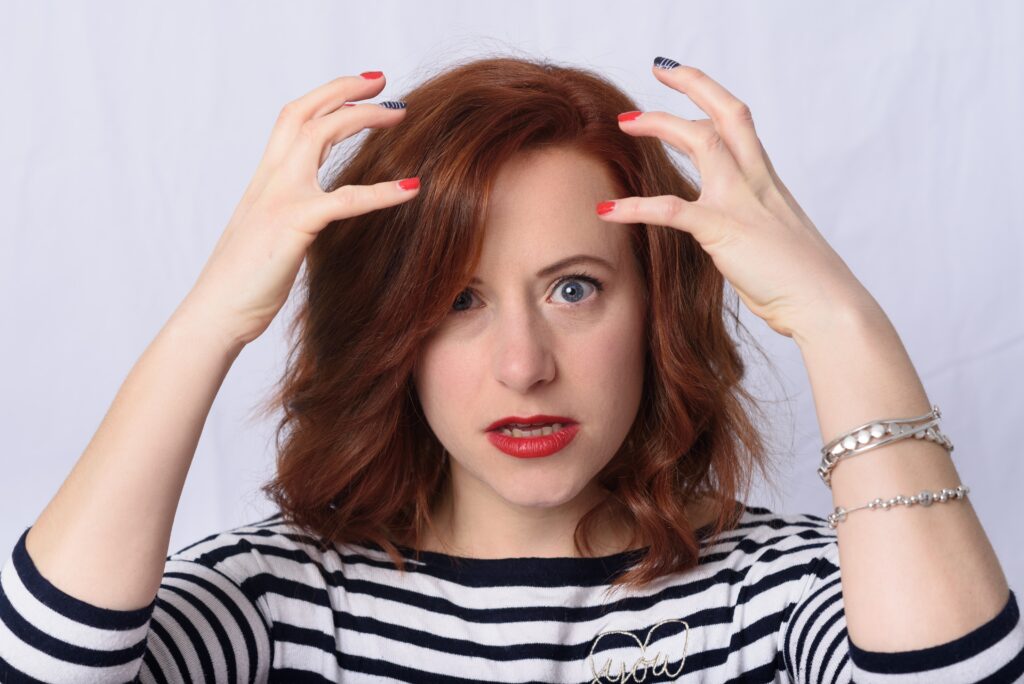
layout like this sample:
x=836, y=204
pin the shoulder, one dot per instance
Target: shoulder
x=768, y=543
x=271, y=546
x=767, y=526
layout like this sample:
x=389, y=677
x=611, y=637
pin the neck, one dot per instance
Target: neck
x=509, y=532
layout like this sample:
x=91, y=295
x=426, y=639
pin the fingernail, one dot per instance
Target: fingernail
x=349, y=104
x=409, y=183
x=372, y=74
x=629, y=116
x=666, y=63
x=393, y=104
x=604, y=207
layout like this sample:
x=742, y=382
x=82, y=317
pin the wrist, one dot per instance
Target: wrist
x=203, y=324
x=849, y=316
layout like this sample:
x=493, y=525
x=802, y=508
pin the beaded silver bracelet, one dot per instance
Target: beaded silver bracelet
x=925, y=498
x=876, y=433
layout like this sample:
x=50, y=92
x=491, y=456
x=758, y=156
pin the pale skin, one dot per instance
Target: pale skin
x=911, y=577
x=104, y=535
x=523, y=346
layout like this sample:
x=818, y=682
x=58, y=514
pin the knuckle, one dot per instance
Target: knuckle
x=710, y=140
x=740, y=110
x=344, y=196
x=289, y=111
x=668, y=208
x=310, y=131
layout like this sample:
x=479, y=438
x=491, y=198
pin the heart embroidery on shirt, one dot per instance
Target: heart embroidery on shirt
x=659, y=661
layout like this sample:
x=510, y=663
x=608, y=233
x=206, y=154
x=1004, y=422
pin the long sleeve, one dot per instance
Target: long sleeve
x=203, y=625
x=816, y=646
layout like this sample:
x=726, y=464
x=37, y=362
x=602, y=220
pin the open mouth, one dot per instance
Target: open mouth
x=519, y=430
x=524, y=440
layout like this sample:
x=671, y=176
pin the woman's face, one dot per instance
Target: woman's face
x=519, y=344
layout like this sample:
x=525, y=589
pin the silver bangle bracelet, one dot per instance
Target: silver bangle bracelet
x=925, y=498
x=877, y=433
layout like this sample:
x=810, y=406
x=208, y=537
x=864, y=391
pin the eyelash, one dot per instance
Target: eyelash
x=579, y=275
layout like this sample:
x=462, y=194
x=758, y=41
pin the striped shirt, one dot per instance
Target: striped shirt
x=266, y=602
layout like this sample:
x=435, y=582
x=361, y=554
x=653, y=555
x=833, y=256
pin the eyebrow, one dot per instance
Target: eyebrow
x=563, y=263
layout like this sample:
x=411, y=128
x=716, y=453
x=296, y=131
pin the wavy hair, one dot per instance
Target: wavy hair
x=357, y=461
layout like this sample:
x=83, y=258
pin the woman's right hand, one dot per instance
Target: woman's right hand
x=250, y=273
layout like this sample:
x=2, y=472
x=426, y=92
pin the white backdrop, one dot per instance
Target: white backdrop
x=130, y=130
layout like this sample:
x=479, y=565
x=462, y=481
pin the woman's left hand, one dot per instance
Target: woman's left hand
x=745, y=219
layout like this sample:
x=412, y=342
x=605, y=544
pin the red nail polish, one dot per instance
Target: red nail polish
x=410, y=183
x=349, y=104
x=372, y=74
x=629, y=116
x=605, y=207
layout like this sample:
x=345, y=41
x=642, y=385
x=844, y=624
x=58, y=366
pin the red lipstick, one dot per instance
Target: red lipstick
x=539, y=419
x=532, y=447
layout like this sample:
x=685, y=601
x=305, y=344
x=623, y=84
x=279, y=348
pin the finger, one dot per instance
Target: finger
x=706, y=225
x=321, y=100
x=697, y=139
x=353, y=200
x=317, y=136
x=731, y=117
x=328, y=97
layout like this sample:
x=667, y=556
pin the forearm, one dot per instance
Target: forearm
x=104, y=536
x=911, y=576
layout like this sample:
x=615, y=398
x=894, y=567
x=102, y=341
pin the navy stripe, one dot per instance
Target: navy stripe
x=69, y=606
x=842, y=663
x=12, y=675
x=194, y=637
x=172, y=648
x=218, y=630
x=810, y=625
x=821, y=629
x=258, y=585
x=283, y=632
x=240, y=621
x=771, y=584
x=153, y=667
x=292, y=675
x=971, y=644
x=62, y=650
x=837, y=646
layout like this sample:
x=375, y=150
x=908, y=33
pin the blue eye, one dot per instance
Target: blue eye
x=577, y=278
x=574, y=295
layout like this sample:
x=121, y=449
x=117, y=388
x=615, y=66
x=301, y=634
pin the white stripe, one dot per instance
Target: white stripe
x=37, y=664
x=165, y=661
x=52, y=622
x=977, y=667
x=234, y=593
x=224, y=618
x=181, y=642
x=314, y=660
x=206, y=633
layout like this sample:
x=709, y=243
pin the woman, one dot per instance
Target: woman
x=515, y=441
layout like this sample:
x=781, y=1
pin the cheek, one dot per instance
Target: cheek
x=443, y=375
x=615, y=352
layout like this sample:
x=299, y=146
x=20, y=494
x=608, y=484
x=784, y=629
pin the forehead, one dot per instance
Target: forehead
x=542, y=175
x=542, y=209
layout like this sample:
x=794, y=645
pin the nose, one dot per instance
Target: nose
x=523, y=356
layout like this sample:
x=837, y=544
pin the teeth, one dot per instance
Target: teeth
x=536, y=432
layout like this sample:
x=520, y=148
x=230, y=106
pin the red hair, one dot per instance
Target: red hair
x=358, y=461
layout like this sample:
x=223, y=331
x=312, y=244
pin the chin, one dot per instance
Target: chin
x=533, y=494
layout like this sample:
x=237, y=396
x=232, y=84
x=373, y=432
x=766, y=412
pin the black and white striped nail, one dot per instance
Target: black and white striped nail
x=665, y=63
x=392, y=104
